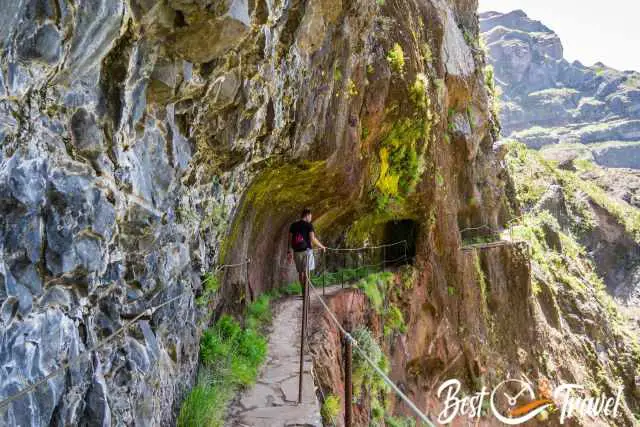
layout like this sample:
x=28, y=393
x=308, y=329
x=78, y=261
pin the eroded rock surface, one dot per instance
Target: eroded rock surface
x=593, y=111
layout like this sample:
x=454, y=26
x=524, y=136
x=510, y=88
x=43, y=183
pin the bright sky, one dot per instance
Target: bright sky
x=590, y=30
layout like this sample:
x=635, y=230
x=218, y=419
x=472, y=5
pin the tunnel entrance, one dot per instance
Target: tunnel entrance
x=395, y=231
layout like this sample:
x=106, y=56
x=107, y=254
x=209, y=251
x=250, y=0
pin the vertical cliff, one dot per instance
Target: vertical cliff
x=144, y=143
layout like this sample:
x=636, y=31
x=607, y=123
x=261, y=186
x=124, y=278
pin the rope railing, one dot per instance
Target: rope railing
x=492, y=232
x=101, y=343
x=388, y=245
x=31, y=387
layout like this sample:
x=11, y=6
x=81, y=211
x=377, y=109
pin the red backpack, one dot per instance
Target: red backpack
x=297, y=242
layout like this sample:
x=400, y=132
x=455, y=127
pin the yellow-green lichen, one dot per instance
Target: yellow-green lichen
x=396, y=58
x=400, y=161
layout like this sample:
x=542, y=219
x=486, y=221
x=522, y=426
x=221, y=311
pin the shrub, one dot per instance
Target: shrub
x=400, y=421
x=396, y=58
x=294, y=288
x=210, y=285
x=330, y=409
x=394, y=321
x=259, y=312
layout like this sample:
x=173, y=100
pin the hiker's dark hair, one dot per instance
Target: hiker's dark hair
x=305, y=212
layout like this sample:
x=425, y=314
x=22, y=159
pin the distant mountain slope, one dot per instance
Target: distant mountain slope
x=547, y=101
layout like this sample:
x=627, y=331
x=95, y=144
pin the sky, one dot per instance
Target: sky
x=591, y=31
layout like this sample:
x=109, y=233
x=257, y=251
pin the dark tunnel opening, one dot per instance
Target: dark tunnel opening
x=397, y=231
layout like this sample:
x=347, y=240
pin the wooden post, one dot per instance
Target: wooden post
x=347, y=383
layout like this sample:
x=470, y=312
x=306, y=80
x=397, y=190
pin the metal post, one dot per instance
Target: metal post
x=344, y=267
x=384, y=258
x=247, y=262
x=347, y=382
x=324, y=274
x=305, y=292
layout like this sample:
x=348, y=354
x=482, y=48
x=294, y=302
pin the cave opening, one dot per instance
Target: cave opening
x=396, y=231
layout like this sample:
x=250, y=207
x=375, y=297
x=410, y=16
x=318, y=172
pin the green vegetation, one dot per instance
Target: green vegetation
x=567, y=265
x=396, y=58
x=482, y=281
x=343, y=275
x=399, y=160
x=330, y=410
x=400, y=421
x=418, y=92
x=352, y=90
x=230, y=358
x=533, y=175
x=210, y=285
x=494, y=91
x=394, y=321
x=337, y=74
x=366, y=381
x=376, y=287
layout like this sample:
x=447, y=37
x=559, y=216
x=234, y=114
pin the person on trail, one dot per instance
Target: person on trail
x=301, y=239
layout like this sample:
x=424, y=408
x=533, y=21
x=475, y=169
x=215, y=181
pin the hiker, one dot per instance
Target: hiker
x=301, y=240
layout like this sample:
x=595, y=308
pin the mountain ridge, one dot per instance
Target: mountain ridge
x=548, y=101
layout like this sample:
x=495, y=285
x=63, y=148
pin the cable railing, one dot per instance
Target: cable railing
x=359, y=263
x=101, y=343
x=351, y=341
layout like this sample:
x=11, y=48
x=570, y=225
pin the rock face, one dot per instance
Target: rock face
x=144, y=142
x=547, y=101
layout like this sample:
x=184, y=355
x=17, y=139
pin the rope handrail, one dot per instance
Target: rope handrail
x=225, y=266
x=364, y=247
x=81, y=356
x=379, y=371
x=389, y=261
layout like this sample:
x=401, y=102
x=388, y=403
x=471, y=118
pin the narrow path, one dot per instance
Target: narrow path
x=272, y=402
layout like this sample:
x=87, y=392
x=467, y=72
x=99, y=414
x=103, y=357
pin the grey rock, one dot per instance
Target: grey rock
x=547, y=100
x=85, y=134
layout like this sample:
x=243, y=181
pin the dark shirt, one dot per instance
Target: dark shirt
x=305, y=228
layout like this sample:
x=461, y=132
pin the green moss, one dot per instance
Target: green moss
x=366, y=381
x=394, y=321
x=283, y=188
x=418, y=92
x=352, y=90
x=331, y=408
x=400, y=421
x=337, y=74
x=396, y=58
x=374, y=286
x=210, y=285
x=400, y=162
